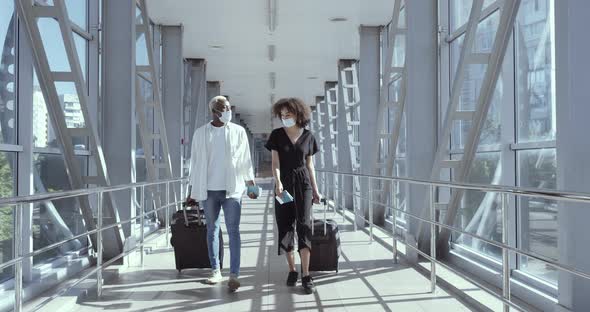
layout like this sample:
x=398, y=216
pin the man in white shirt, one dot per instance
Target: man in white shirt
x=221, y=170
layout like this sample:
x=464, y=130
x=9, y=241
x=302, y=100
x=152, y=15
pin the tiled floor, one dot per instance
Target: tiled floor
x=367, y=280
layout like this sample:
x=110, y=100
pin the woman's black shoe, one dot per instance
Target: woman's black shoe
x=292, y=278
x=307, y=283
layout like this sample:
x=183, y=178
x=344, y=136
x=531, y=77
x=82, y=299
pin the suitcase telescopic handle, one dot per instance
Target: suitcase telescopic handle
x=325, y=202
x=199, y=220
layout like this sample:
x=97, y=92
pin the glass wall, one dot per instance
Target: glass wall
x=146, y=95
x=394, y=94
x=478, y=212
x=8, y=134
x=33, y=162
x=536, y=128
x=54, y=221
x=521, y=118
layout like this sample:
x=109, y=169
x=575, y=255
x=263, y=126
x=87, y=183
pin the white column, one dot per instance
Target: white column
x=369, y=88
x=172, y=91
x=572, y=66
x=199, y=93
x=118, y=100
x=421, y=101
x=25, y=134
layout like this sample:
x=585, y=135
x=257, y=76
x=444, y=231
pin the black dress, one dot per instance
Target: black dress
x=294, y=216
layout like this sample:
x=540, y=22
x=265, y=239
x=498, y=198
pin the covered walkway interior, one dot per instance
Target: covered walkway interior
x=457, y=129
x=367, y=280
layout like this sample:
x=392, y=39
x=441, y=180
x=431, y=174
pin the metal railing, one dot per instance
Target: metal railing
x=19, y=203
x=504, y=191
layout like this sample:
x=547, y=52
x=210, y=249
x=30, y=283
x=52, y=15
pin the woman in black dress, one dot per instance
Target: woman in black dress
x=292, y=148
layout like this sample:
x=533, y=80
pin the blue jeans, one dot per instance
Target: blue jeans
x=232, y=210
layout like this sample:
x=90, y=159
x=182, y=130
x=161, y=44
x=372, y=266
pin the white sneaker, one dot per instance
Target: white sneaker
x=234, y=283
x=214, y=278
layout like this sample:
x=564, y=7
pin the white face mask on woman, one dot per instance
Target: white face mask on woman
x=225, y=117
x=289, y=122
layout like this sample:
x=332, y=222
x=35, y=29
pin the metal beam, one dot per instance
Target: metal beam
x=156, y=150
x=508, y=11
x=26, y=12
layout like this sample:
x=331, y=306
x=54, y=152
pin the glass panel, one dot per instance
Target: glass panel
x=141, y=56
x=470, y=91
x=480, y=212
x=82, y=49
x=402, y=16
x=7, y=73
x=53, y=44
x=401, y=143
x=59, y=219
x=535, y=72
x=460, y=10
x=399, y=51
x=492, y=127
x=7, y=189
x=55, y=49
x=43, y=133
x=138, y=17
x=538, y=217
x=77, y=12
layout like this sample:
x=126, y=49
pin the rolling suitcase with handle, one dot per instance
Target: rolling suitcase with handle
x=189, y=239
x=325, y=243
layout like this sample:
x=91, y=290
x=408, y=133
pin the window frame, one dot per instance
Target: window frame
x=509, y=146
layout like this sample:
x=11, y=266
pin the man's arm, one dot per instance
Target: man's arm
x=247, y=159
x=190, y=201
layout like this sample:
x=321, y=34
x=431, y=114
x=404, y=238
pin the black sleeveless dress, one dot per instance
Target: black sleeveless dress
x=294, y=217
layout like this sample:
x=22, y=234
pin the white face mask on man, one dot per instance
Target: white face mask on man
x=225, y=116
x=289, y=122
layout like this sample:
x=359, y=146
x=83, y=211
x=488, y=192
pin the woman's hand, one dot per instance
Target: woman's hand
x=316, y=197
x=278, y=188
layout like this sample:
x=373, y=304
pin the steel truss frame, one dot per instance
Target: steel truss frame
x=319, y=128
x=331, y=128
x=155, y=142
x=349, y=86
x=385, y=159
x=29, y=13
x=493, y=61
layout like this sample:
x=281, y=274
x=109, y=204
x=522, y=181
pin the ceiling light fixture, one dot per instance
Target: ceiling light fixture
x=272, y=15
x=312, y=77
x=271, y=52
x=216, y=46
x=272, y=76
x=338, y=19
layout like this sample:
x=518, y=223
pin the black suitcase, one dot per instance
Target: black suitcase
x=325, y=244
x=189, y=239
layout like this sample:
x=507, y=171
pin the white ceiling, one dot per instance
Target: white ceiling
x=307, y=44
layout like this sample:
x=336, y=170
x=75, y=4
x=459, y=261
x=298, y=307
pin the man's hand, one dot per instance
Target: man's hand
x=189, y=202
x=252, y=195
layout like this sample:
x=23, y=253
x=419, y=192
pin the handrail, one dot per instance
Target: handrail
x=27, y=199
x=504, y=191
x=19, y=202
x=515, y=190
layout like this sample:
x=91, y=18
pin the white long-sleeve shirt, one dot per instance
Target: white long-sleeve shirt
x=238, y=163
